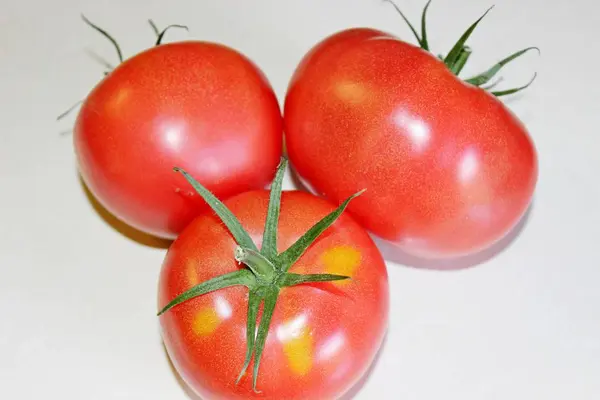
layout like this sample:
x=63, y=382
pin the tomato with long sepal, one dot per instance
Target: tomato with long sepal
x=449, y=170
x=200, y=105
x=320, y=280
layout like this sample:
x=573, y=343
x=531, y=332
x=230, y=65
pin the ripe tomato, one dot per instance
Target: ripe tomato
x=323, y=335
x=198, y=105
x=449, y=170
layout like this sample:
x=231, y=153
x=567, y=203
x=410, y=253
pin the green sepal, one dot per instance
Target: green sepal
x=452, y=56
x=269, y=244
x=492, y=85
x=463, y=57
x=242, y=277
x=233, y=224
x=255, y=298
x=290, y=279
x=295, y=251
x=412, y=28
x=424, y=42
x=70, y=110
x=164, y=31
x=270, y=300
x=485, y=77
x=160, y=34
x=106, y=35
x=514, y=90
x=154, y=27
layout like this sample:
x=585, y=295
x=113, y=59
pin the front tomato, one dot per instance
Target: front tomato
x=323, y=334
x=448, y=168
x=202, y=106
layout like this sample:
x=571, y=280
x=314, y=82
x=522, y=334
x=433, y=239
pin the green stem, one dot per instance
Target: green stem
x=259, y=264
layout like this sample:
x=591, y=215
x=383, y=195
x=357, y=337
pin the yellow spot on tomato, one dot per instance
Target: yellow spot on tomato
x=299, y=352
x=351, y=92
x=205, y=322
x=341, y=260
x=192, y=275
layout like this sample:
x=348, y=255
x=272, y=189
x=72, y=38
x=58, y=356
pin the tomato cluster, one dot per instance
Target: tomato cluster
x=273, y=294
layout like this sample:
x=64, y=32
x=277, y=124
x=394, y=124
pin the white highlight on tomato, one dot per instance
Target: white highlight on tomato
x=292, y=328
x=417, y=130
x=468, y=166
x=223, y=308
x=331, y=346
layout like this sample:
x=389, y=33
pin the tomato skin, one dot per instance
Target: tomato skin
x=323, y=336
x=448, y=169
x=196, y=105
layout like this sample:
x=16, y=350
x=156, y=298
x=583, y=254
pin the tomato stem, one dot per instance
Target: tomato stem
x=259, y=264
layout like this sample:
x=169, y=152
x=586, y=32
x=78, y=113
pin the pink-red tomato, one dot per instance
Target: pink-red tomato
x=323, y=336
x=196, y=105
x=448, y=169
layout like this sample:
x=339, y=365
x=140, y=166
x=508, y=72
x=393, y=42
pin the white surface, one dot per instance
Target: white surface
x=77, y=298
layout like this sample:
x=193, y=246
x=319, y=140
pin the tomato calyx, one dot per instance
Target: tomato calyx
x=159, y=37
x=458, y=56
x=109, y=67
x=160, y=34
x=265, y=271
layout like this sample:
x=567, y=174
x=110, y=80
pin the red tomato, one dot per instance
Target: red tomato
x=448, y=169
x=197, y=105
x=323, y=336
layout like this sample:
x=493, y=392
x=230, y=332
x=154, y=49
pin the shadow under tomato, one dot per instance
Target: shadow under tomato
x=120, y=226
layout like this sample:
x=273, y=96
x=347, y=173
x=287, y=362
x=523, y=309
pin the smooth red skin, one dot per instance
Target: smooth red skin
x=359, y=311
x=355, y=115
x=200, y=106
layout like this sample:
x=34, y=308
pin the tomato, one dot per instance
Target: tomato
x=449, y=170
x=198, y=105
x=323, y=335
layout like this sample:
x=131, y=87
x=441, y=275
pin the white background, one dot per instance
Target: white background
x=78, y=289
